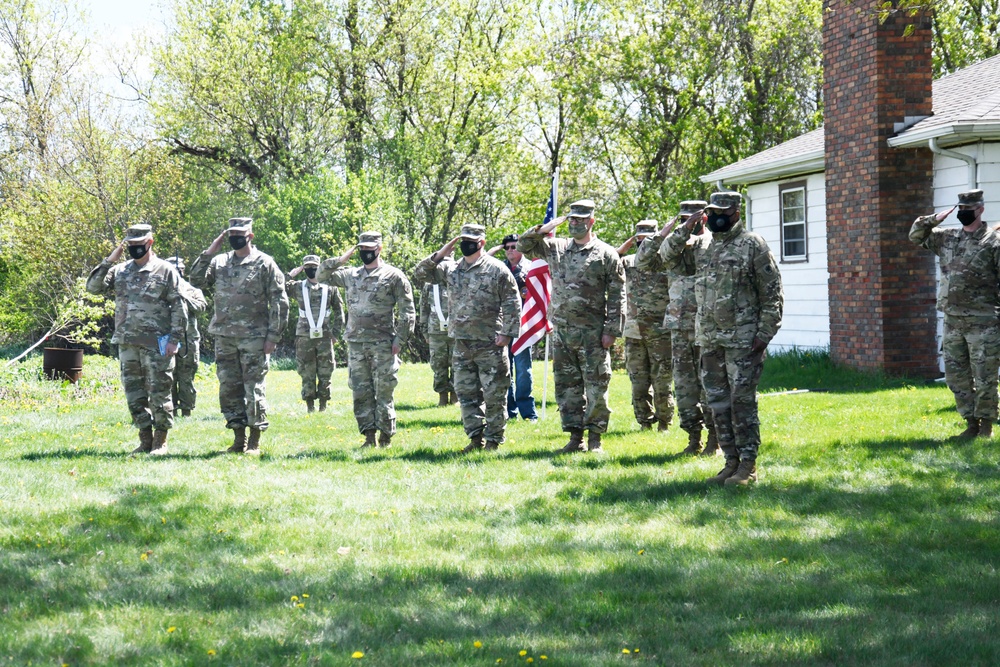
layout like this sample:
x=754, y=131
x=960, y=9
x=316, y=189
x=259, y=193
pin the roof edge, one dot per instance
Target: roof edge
x=950, y=135
x=808, y=163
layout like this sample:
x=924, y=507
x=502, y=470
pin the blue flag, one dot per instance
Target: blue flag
x=550, y=210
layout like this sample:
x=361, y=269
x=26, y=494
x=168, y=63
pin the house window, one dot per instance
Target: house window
x=793, y=222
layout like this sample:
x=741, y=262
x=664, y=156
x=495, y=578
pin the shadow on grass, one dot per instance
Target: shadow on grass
x=91, y=452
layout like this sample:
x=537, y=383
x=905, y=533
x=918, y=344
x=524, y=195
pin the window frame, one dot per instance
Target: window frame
x=782, y=189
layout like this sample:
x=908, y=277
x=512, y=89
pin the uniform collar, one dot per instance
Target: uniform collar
x=468, y=267
x=730, y=233
x=148, y=266
x=979, y=233
x=243, y=260
x=576, y=247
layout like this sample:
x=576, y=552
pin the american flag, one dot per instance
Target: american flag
x=538, y=284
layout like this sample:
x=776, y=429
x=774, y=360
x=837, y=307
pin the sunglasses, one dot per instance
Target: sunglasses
x=510, y=247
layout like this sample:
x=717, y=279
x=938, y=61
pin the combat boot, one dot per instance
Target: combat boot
x=384, y=439
x=746, y=473
x=575, y=443
x=253, y=442
x=475, y=444
x=322, y=405
x=645, y=427
x=694, y=443
x=453, y=398
x=985, y=428
x=159, y=443
x=239, y=441
x=369, y=438
x=594, y=442
x=731, y=466
x=443, y=399
x=310, y=406
x=145, y=441
x=712, y=444
x=491, y=446
x=971, y=430
x=185, y=412
x=663, y=426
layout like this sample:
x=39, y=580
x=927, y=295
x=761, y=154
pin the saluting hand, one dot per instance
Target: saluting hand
x=940, y=217
x=116, y=254
x=217, y=243
x=296, y=271
x=669, y=227
x=695, y=218
x=343, y=259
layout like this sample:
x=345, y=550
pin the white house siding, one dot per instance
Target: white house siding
x=806, y=321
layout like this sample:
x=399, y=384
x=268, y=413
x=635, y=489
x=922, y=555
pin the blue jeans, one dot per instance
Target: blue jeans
x=519, y=398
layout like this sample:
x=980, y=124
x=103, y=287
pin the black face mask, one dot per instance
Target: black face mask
x=966, y=217
x=368, y=256
x=719, y=222
x=311, y=271
x=469, y=247
x=237, y=242
x=138, y=251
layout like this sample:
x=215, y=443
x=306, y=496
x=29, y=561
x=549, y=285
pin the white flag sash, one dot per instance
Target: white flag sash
x=315, y=328
x=442, y=320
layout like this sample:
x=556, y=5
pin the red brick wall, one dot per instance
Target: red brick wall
x=882, y=287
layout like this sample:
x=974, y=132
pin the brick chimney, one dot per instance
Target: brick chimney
x=882, y=286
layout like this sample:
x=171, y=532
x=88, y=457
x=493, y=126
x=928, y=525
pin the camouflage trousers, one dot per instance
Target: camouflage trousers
x=372, y=371
x=482, y=376
x=241, y=366
x=441, y=350
x=730, y=377
x=582, y=370
x=147, y=378
x=184, y=393
x=315, y=363
x=649, y=365
x=692, y=404
x=971, y=360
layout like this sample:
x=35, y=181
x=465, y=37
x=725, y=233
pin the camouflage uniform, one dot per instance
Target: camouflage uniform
x=379, y=315
x=588, y=294
x=148, y=305
x=251, y=309
x=314, y=351
x=969, y=297
x=439, y=343
x=647, y=340
x=739, y=296
x=184, y=393
x=486, y=305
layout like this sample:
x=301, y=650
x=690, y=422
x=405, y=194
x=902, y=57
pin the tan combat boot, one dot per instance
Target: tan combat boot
x=746, y=473
x=253, y=442
x=310, y=406
x=443, y=399
x=475, y=444
x=971, y=430
x=594, y=442
x=575, y=443
x=239, y=441
x=985, y=428
x=694, y=443
x=322, y=405
x=712, y=444
x=384, y=439
x=663, y=425
x=159, y=443
x=369, y=438
x=732, y=465
x=145, y=441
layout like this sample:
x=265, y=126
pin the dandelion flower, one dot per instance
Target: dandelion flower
x=626, y=651
x=211, y=651
x=301, y=605
x=544, y=657
x=357, y=655
x=305, y=596
x=635, y=650
x=642, y=551
x=171, y=629
x=523, y=653
x=530, y=660
x=295, y=598
x=144, y=556
x=477, y=644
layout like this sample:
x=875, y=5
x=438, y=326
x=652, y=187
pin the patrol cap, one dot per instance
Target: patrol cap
x=725, y=200
x=370, y=239
x=310, y=260
x=473, y=232
x=137, y=234
x=971, y=198
x=581, y=209
x=240, y=226
x=177, y=262
x=690, y=207
x=646, y=227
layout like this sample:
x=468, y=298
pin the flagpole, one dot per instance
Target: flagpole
x=545, y=368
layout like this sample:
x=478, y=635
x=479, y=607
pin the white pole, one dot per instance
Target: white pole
x=545, y=369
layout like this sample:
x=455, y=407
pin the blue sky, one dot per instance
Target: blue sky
x=124, y=14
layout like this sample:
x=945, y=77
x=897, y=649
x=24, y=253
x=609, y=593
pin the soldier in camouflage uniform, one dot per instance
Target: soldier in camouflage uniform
x=588, y=295
x=251, y=310
x=434, y=317
x=184, y=394
x=740, y=304
x=150, y=319
x=485, y=315
x=647, y=340
x=692, y=404
x=321, y=322
x=379, y=320
x=969, y=297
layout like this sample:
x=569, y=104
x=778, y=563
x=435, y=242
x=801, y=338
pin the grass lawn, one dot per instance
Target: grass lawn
x=870, y=538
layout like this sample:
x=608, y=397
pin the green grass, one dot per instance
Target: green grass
x=870, y=538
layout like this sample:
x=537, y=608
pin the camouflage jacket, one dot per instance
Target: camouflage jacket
x=428, y=313
x=196, y=304
x=379, y=302
x=588, y=282
x=333, y=321
x=250, y=299
x=484, y=295
x=737, y=286
x=970, y=268
x=682, y=310
x=148, y=302
x=648, y=293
